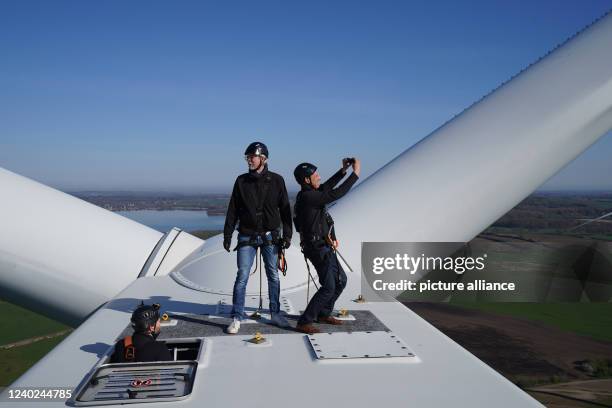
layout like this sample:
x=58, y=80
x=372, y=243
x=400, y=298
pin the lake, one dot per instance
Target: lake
x=164, y=221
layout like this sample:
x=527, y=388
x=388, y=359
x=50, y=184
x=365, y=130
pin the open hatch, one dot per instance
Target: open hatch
x=157, y=381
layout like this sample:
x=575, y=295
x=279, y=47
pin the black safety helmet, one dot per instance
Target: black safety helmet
x=145, y=316
x=302, y=171
x=257, y=149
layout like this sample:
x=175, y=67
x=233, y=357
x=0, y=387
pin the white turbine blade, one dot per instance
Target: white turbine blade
x=472, y=170
x=590, y=221
x=64, y=257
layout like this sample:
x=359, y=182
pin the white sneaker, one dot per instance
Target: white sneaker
x=279, y=320
x=233, y=327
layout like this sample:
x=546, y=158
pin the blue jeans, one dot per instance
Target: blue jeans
x=332, y=280
x=246, y=256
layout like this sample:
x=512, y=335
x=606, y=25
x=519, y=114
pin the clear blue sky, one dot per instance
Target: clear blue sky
x=160, y=95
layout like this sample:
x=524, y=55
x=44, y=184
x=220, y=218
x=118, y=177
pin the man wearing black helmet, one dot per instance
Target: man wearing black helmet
x=141, y=346
x=318, y=239
x=260, y=206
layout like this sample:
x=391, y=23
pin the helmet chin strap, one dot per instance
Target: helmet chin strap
x=261, y=163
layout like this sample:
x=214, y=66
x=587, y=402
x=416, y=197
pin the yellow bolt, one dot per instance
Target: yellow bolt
x=258, y=338
x=165, y=317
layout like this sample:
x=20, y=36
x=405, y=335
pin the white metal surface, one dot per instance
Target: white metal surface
x=220, y=270
x=440, y=364
x=175, y=246
x=359, y=345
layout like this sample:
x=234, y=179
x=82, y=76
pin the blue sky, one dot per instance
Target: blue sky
x=162, y=95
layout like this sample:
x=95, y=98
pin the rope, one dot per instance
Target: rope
x=260, y=282
x=337, y=253
x=308, y=279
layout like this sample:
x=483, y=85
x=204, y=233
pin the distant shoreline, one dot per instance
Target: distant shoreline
x=207, y=210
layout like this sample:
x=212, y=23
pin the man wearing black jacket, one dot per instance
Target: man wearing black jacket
x=260, y=206
x=318, y=239
x=141, y=346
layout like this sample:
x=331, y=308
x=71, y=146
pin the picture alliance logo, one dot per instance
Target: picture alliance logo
x=412, y=264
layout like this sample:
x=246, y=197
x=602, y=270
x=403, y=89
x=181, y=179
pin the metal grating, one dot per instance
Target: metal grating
x=361, y=345
x=251, y=304
x=137, y=382
x=197, y=326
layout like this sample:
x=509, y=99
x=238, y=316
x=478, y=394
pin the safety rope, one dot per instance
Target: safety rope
x=334, y=248
x=259, y=267
x=260, y=281
x=308, y=279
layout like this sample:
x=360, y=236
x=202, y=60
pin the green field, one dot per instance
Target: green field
x=588, y=319
x=205, y=234
x=19, y=324
x=16, y=361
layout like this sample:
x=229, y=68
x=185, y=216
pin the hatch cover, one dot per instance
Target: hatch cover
x=128, y=383
x=371, y=344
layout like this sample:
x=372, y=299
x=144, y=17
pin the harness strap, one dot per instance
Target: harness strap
x=253, y=240
x=282, y=264
x=130, y=351
x=308, y=278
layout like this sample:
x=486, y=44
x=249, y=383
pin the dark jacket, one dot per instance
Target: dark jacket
x=256, y=214
x=310, y=212
x=145, y=349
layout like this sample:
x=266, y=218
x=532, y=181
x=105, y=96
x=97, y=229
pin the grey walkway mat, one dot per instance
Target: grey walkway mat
x=190, y=325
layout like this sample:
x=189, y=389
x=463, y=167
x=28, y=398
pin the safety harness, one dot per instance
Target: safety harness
x=281, y=263
x=254, y=241
x=314, y=241
x=129, y=350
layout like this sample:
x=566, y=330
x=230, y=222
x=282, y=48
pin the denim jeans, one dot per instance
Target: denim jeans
x=332, y=280
x=246, y=256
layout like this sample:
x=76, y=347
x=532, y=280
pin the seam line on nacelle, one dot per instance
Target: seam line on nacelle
x=168, y=250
